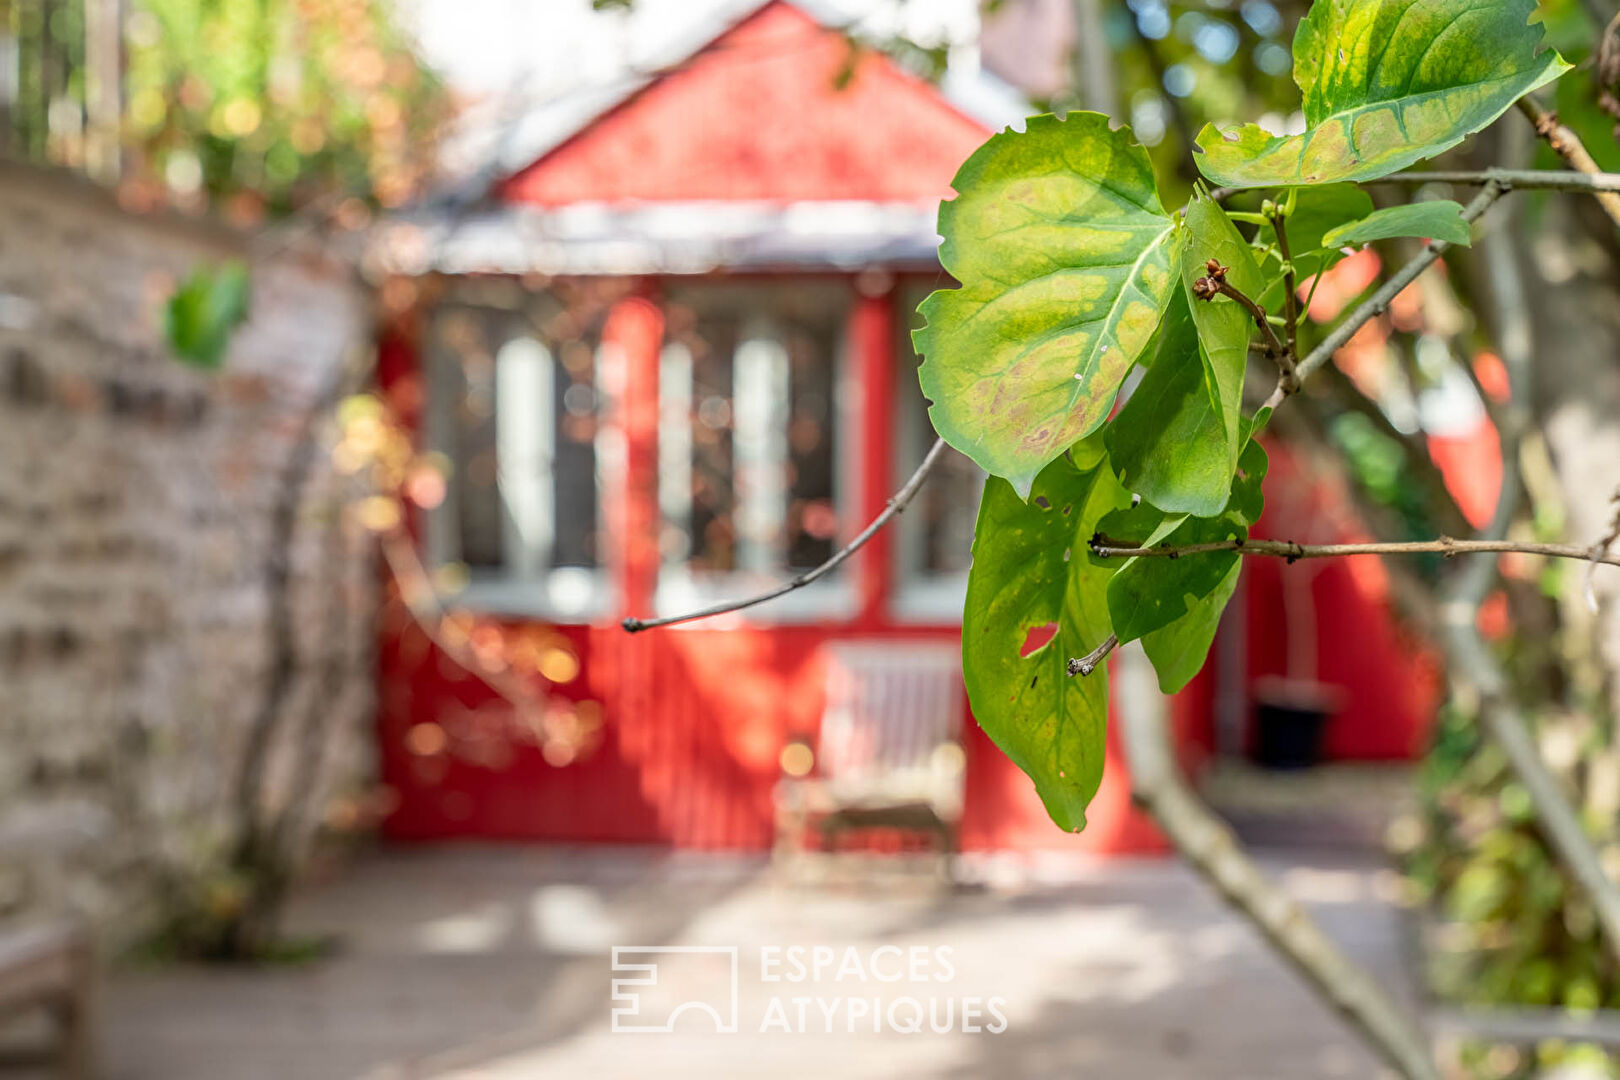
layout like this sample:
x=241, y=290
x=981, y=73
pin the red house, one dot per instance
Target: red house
x=667, y=357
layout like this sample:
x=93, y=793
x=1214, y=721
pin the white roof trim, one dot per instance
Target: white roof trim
x=662, y=238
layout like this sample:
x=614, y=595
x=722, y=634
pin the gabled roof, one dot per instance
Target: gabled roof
x=510, y=144
x=765, y=145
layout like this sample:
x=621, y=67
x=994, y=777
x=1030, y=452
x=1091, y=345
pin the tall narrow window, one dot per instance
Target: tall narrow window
x=514, y=405
x=749, y=443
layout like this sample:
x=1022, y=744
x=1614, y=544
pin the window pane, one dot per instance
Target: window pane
x=516, y=405
x=748, y=440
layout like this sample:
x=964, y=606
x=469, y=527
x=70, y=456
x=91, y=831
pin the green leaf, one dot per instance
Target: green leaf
x=1440, y=219
x=1224, y=328
x=1029, y=570
x=1178, y=650
x=1168, y=442
x=1388, y=83
x=1152, y=592
x=1063, y=254
x=204, y=310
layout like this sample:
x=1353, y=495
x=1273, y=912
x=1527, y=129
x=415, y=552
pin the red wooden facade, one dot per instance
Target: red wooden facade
x=692, y=720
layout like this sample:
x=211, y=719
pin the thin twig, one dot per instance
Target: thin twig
x=1379, y=302
x=1567, y=145
x=1106, y=548
x=1215, y=284
x=896, y=504
x=1088, y=663
x=1290, y=299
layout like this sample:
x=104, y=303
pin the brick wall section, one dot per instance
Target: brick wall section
x=135, y=517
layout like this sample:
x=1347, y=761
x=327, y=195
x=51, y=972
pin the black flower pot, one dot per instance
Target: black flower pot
x=1289, y=717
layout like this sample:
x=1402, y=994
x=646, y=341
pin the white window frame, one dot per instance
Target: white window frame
x=759, y=433
x=527, y=585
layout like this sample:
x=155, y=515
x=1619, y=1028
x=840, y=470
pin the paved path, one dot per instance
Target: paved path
x=493, y=963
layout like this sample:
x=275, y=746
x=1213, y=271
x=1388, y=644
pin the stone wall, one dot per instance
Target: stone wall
x=137, y=500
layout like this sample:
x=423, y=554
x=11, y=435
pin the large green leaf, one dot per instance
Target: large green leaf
x=1388, y=83
x=1439, y=219
x=1178, y=650
x=1063, y=254
x=1030, y=571
x=1168, y=442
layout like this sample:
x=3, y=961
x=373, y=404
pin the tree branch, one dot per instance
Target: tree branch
x=1567, y=145
x=1088, y=663
x=1210, y=847
x=897, y=503
x=1470, y=658
x=1524, y=179
x=1379, y=302
x=1107, y=548
x=1449, y=517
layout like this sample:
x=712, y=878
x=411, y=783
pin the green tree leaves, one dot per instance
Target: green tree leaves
x=1168, y=442
x=1440, y=219
x=1175, y=441
x=1071, y=272
x=199, y=317
x=1063, y=252
x=1030, y=571
x=1388, y=83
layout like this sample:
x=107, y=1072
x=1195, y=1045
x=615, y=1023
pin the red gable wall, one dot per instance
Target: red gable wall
x=759, y=114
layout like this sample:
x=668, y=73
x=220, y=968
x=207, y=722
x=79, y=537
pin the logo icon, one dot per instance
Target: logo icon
x=653, y=995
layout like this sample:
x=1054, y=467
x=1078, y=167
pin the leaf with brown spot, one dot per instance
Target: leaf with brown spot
x=1064, y=256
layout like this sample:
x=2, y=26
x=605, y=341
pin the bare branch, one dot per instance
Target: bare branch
x=1105, y=548
x=1568, y=146
x=897, y=503
x=1210, y=847
x=1379, y=302
x=1449, y=517
x=1215, y=284
x=1524, y=179
x=1471, y=663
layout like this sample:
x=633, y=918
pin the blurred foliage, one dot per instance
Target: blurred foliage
x=256, y=107
x=1509, y=928
x=278, y=101
x=203, y=311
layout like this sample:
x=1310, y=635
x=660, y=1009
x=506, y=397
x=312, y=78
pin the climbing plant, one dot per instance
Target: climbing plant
x=1072, y=274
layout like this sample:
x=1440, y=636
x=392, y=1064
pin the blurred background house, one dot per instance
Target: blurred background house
x=595, y=310
x=661, y=339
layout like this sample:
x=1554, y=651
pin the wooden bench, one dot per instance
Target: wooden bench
x=888, y=754
x=49, y=966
